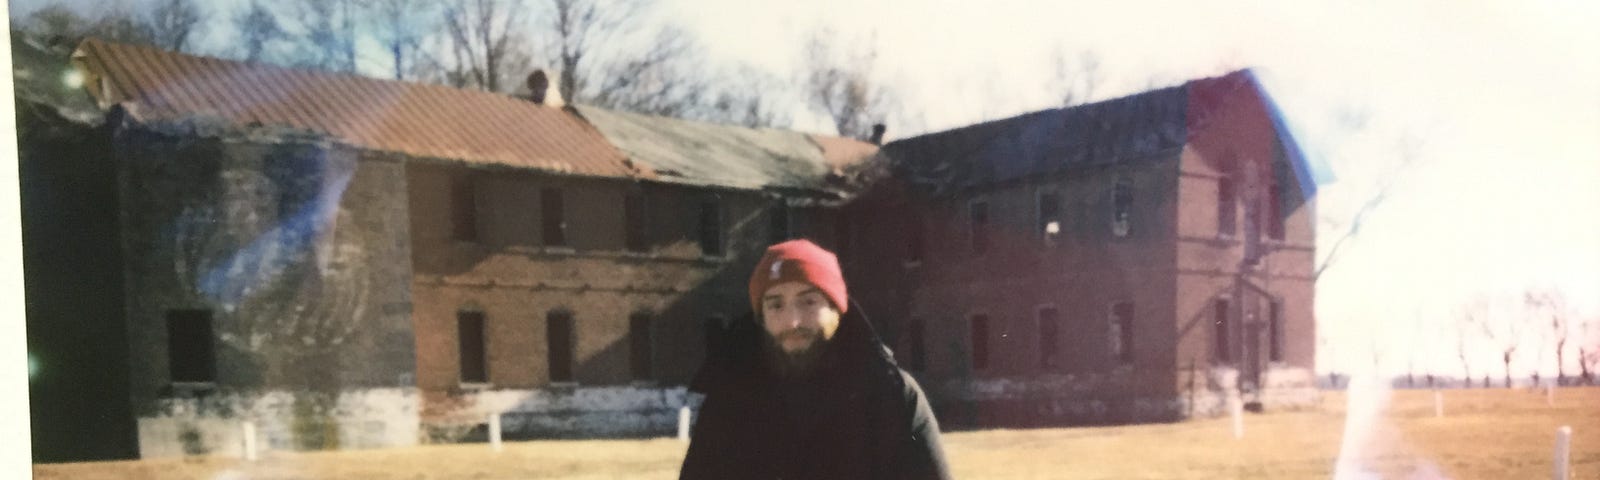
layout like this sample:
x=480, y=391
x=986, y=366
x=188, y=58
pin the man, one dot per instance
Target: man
x=803, y=388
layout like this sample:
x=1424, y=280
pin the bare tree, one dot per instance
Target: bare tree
x=582, y=30
x=838, y=80
x=400, y=27
x=258, y=31
x=1463, y=329
x=1553, y=303
x=1076, y=77
x=1589, y=350
x=327, y=33
x=485, y=47
x=1504, y=330
x=1407, y=154
x=173, y=23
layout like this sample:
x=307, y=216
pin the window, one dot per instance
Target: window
x=1227, y=219
x=978, y=213
x=778, y=230
x=1050, y=216
x=1121, y=207
x=1121, y=332
x=552, y=209
x=558, y=336
x=1048, y=330
x=914, y=242
x=635, y=221
x=980, y=342
x=1274, y=332
x=1274, y=212
x=474, y=358
x=914, y=337
x=191, y=354
x=464, y=210
x=640, y=339
x=1223, y=324
x=710, y=228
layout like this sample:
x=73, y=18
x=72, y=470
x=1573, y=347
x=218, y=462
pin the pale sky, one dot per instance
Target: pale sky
x=1502, y=101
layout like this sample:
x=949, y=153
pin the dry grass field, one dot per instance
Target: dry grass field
x=1486, y=434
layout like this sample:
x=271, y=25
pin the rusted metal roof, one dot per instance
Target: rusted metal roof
x=426, y=121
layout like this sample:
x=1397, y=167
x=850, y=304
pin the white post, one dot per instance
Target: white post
x=250, y=441
x=1438, y=404
x=683, y=423
x=1563, y=450
x=1236, y=406
x=494, y=432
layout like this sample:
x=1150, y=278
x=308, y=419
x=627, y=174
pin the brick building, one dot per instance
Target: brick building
x=349, y=262
x=1141, y=258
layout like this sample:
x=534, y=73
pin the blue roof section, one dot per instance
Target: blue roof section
x=1311, y=172
x=1047, y=141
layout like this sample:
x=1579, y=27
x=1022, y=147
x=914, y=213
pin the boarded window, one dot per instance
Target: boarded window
x=778, y=228
x=463, y=210
x=1121, y=332
x=553, y=213
x=474, y=358
x=1274, y=212
x=980, y=342
x=558, y=333
x=1050, y=216
x=1227, y=218
x=1049, y=328
x=641, y=340
x=918, y=350
x=1121, y=207
x=1274, y=332
x=978, y=214
x=710, y=228
x=1223, y=325
x=191, y=354
x=636, y=222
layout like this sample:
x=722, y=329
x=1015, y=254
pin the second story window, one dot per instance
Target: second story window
x=1227, y=223
x=636, y=223
x=1121, y=207
x=710, y=228
x=463, y=210
x=552, y=210
x=978, y=215
x=1050, y=216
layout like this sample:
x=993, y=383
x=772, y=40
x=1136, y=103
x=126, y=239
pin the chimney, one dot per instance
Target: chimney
x=538, y=86
x=877, y=133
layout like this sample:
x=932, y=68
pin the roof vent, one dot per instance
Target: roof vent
x=877, y=133
x=538, y=86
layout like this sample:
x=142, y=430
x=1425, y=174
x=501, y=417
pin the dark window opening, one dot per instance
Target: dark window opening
x=778, y=229
x=464, y=210
x=980, y=342
x=636, y=222
x=1274, y=209
x=978, y=213
x=1122, y=332
x=1227, y=219
x=474, y=358
x=1050, y=216
x=558, y=335
x=1048, y=330
x=552, y=209
x=1224, y=328
x=710, y=228
x=1121, y=207
x=191, y=351
x=641, y=341
x=914, y=337
x=1274, y=332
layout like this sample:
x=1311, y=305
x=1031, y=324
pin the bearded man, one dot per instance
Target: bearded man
x=803, y=388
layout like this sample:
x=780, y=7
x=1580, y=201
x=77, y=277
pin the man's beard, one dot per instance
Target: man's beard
x=798, y=363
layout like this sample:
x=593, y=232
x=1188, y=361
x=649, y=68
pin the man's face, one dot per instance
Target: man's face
x=798, y=317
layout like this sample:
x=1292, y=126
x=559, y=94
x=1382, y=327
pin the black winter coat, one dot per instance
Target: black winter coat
x=859, y=417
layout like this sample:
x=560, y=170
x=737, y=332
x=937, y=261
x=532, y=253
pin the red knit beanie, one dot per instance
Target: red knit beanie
x=799, y=261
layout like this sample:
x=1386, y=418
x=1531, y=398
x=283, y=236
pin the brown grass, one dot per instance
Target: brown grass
x=1487, y=434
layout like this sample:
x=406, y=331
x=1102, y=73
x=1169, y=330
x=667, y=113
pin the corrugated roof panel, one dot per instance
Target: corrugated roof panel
x=413, y=119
